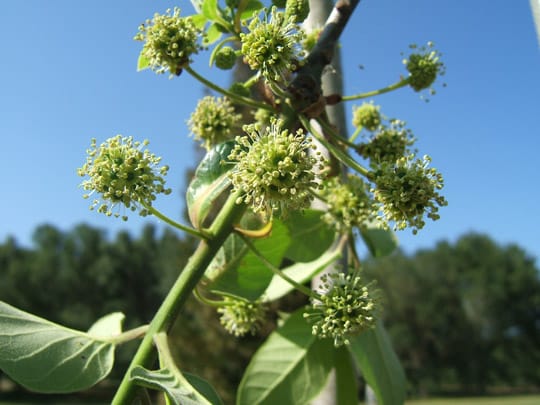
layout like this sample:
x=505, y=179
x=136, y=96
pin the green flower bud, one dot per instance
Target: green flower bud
x=346, y=307
x=123, y=174
x=407, y=190
x=240, y=90
x=275, y=169
x=367, y=116
x=272, y=46
x=240, y=317
x=349, y=203
x=424, y=66
x=388, y=144
x=298, y=9
x=225, y=58
x=213, y=121
x=169, y=42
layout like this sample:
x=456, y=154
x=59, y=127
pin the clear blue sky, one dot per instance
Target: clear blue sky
x=68, y=74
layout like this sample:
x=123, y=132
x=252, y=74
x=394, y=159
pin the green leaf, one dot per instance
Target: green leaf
x=187, y=390
x=213, y=33
x=245, y=275
x=142, y=63
x=199, y=20
x=346, y=381
x=46, y=357
x=251, y=7
x=374, y=355
x=209, y=181
x=380, y=242
x=291, y=367
x=210, y=9
x=311, y=237
x=299, y=272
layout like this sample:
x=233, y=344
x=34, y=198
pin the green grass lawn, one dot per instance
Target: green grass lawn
x=500, y=400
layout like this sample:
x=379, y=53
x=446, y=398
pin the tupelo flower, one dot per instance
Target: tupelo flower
x=240, y=317
x=367, y=116
x=274, y=169
x=272, y=45
x=407, y=190
x=349, y=203
x=169, y=41
x=123, y=174
x=213, y=121
x=226, y=58
x=346, y=307
x=388, y=144
x=424, y=66
x=298, y=9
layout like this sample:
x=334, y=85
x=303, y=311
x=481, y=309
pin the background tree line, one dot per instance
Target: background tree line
x=464, y=317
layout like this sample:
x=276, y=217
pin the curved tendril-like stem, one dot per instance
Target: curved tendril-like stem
x=232, y=96
x=177, y=225
x=277, y=271
x=208, y=301
x=330, y=131
x=355, y=134
x=342, y=156
x=395, y=86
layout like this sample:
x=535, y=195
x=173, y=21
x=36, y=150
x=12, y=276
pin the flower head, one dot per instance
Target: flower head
x=424, y=66
x=169, y=41
x=213, y=121
x=123, y=174
x=367, y=116
x=226, y=58
x=275, y=169
x=272, y=45
x=298, y=9
x=346, y=307
x=388, y=143
x=407, y=190
x=349, y=204
x=240, y=317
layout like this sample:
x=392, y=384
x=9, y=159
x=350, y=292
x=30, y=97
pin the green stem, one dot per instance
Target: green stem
x=177, y=225
x=395, y=86
x=330, y=131
x=232, y=96
x=278, y=272
x=129, y=335
x=355, y=134
x=220, y=229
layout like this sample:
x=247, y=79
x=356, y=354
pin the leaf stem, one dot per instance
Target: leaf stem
x=177, y=225
x=276, y=271
x=395, y=86
x=234, y=97
x=218, y=232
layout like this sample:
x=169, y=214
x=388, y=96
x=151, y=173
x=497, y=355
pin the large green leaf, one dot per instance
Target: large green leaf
x=180, y=388
x=311, y=237
x=374, y=355
x=299, y=272
x=291, y=367
x=242, y=273
x=251, y=7
x=380, y=242
x=46, y=357
x=209, y=181
x=346, y=381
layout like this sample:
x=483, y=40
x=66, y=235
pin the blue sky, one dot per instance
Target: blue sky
x=68, y=74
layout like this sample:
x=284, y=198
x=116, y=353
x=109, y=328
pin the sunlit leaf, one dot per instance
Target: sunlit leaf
x=299, y=272
x=310, y=236
x=142, y=63
x=46, y=357
x=210, y=9
x=251, y=7
x=379, y=241
x=291, y=367
x=374, y=355
x=213, y=33
x=346, y=380
x=209, y=181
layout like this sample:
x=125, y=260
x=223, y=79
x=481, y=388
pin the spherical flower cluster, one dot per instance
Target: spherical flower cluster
x=275, y=168
x=424, y=66
x=226, y=58
x=346, y=307
x=349, y=203
x=213, y=121
x=388, y=144
x=272, y=45
x=298, y=9
x=124, y=174
x=407, y=190
x=367, y=116
x=240, y=317
x=169, y=41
